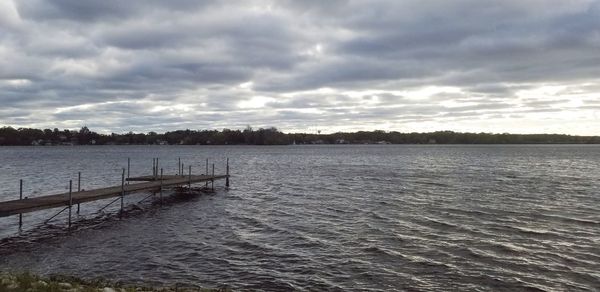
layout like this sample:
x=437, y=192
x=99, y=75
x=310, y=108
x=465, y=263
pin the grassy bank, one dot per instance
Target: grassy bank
x=31, y=283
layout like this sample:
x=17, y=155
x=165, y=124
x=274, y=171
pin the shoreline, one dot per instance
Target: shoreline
x=26, y=281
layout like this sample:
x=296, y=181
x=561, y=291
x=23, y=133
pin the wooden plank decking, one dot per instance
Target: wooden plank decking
x=15, y=207
x=164, y=177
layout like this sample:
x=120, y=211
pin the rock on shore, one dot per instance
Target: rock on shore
x=30, y=283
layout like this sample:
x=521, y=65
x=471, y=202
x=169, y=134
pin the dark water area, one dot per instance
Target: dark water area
x=351, y=217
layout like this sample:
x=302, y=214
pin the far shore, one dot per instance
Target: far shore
x=272, y=136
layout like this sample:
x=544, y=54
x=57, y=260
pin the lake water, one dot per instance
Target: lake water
x=351, y=217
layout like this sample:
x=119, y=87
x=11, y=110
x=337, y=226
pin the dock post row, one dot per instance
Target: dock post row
x=156, y=182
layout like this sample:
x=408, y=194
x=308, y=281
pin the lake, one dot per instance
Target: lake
x=312, y=217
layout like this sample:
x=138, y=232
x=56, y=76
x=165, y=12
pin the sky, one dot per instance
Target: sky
x=302, y=66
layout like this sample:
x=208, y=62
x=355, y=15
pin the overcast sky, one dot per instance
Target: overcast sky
x=494, y=66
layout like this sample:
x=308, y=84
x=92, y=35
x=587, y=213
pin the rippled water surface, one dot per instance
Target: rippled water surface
x=347, y=217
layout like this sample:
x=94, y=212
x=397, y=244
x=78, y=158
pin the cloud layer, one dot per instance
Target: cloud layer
x=500, y=66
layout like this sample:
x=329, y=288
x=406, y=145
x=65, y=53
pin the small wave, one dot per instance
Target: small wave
x=376, y=250
x=574, y=221
x=378, y=216
x=247, y=246
x=338, y=210
x=436, y=224
x=535, y=232
x=469, y=212
x=504, y=248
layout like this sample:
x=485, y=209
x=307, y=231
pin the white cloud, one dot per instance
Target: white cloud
x=9, y=16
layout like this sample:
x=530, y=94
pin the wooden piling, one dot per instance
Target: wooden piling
x=179, y=166
x=161, y=186
x=190, y=178
x=122, y=189
x=206, y=184
x=78, y=188
x=128, y=166
x=70, y=200
x=153, y=167
x=212, y=181
x=227, y=173
x=181, y=170
x=20, y=198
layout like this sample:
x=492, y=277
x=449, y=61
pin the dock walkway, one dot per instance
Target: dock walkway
x=151, y=183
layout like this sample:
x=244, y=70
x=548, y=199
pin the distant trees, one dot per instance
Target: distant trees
x=84, y=136
x=269, y=136
x=440, y=137
x=272, y=136
x=9, y=136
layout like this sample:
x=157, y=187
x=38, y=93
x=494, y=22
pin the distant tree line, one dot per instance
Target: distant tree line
x=271, y=136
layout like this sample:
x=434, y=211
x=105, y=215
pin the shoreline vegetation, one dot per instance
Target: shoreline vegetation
x=56, y=283
x=271, y=136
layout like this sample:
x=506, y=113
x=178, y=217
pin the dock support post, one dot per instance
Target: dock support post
x=20, y=198
x=78, y=188
x=156, y=170
x=181, y=172
x=128, y=167
x=190, y=178
x=161, y=185
x=179, y=166
x=212, y=181
x=206, y=184
x=70, y=200
x=227, y=173
x=153, y=167
x=122, y=190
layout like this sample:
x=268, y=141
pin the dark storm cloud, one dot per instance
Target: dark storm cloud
x=477, y=41
x=155, y=65
x=85, y=11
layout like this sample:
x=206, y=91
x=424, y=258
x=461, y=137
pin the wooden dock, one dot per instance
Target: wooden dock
x=15, y=207
x=151, y=183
